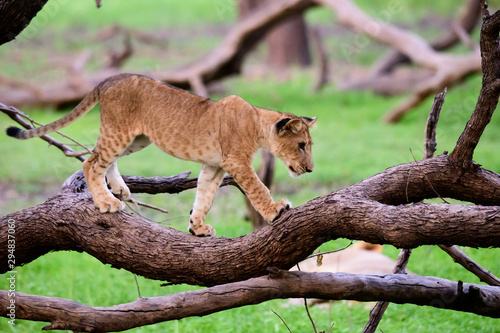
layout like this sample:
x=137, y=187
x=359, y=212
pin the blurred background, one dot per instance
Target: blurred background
x=311, y=65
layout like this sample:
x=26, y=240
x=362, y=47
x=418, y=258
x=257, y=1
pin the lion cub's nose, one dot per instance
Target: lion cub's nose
x=308, y=170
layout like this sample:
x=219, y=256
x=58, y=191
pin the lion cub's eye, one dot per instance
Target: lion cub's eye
x=302, y=146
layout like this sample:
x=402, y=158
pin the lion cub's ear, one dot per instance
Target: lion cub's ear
x=311, y=122
x=288, y=126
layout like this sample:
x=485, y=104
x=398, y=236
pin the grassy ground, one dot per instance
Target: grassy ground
x=350, y=144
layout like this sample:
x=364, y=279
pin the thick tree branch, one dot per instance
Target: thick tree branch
x=427, y=291
x=357, y=212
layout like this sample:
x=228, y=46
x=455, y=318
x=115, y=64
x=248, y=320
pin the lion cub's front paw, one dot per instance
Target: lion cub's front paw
x=279, y=208
x=204, y=230
x=109, y=204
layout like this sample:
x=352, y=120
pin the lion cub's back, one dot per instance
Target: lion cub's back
x=178, y=122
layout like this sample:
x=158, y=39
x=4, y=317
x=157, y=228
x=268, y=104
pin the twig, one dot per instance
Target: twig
x=378, y=310
x=32, y=121
x=323, y=253
x=289, y=330
x=461, y=258
x=309, y=315
x=17, y=115
x=137, y=284
x=307, y=309
x=78, y=153
x=139, y=203
x=331, y=326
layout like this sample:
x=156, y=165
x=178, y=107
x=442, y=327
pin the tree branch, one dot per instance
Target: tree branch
x=461, y=258
x=15, y=115
x=396, y=288
x=357, y=212
x=488, y=97
x=404, y=256
x=16, y=15
x=430, y=128
x=447, y=69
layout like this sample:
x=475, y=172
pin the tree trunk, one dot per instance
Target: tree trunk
x=287, y=43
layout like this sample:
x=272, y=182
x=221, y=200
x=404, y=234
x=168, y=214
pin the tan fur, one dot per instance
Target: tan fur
x=223, y=136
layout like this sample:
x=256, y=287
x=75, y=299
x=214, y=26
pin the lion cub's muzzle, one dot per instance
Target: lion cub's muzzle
x=297, y=171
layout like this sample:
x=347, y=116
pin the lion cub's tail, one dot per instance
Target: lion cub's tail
x=85, y=105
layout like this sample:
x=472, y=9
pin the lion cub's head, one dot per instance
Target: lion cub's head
x=291, y=142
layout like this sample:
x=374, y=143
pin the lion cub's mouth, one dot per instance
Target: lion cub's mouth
x=296, y=173
x=292, y=172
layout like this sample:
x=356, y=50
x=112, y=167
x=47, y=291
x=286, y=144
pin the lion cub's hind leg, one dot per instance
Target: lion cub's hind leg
x=208, y=184
x=95, y=168
x=115, y=180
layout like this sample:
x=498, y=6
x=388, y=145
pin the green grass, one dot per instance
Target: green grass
x=350, y=144
x=61, y=14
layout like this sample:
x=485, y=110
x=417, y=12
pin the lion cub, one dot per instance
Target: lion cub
x=223, y=136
